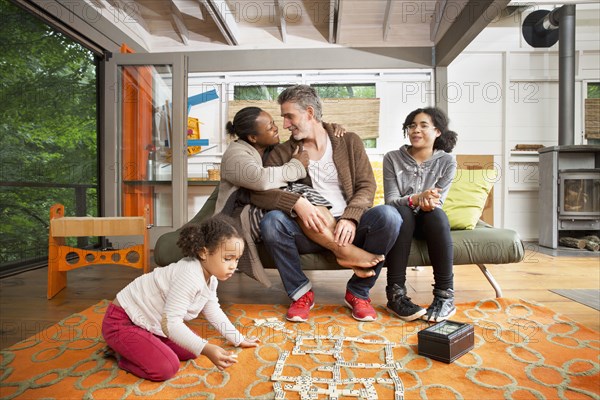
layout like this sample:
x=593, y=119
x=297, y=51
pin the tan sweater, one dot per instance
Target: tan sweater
x=242, y=166
x=354, y=172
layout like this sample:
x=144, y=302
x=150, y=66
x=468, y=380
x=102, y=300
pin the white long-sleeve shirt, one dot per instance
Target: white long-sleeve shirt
x=163, y=299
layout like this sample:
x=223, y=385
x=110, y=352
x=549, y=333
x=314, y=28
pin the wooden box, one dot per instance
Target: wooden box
x=446, y=341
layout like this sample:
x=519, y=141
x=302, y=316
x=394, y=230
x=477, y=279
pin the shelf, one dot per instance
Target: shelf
x=191, y=182
x=147, y=183
x=524, y=152
x=202, y=182
x=205, y=149
x=524, y=188
x=523, y=156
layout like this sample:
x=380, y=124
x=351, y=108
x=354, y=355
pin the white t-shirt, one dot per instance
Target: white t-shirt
x=325, y=180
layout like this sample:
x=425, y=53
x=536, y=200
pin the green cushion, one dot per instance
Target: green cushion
x=482, y=245
x=467, y=196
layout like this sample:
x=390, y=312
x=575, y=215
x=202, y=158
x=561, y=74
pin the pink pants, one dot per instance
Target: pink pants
x=142, y=353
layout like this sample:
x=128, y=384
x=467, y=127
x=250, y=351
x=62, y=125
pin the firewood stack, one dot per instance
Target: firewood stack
x=590, y=242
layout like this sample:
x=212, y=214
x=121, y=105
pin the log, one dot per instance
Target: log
x=592, y=246
x=529, y=147
x=592, y=238
x=572, y=242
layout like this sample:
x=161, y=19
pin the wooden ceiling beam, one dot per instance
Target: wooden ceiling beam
x=223, y=16
x=130, y=16
x=179, y=24
x=189, y=7
x=279, y=15
x=387, y=24
x=438, y=17
x=129, y=12
x=335, y=17
x=473, y=18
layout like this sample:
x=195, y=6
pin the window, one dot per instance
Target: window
x=345, y=91
x=372, y=103
x=591, y=114
x=325, y=91
x=593, y=90
x=48, y=135
x=262, y=92
x=349, y=91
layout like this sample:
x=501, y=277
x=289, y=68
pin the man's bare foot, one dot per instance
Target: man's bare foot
x=352, y=256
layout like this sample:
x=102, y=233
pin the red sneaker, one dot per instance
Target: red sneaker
x=298, y=311
x=362, y=310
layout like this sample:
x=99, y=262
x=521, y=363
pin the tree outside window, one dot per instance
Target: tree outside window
x=48, y=132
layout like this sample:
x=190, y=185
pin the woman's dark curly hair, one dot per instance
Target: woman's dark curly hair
x=209, y=234
x=244, y=123
x=447, y=140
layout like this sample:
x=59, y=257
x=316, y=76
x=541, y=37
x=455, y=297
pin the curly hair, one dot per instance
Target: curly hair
x=244, y=123
x=447, y=140
x=209, y=234
x=305, y=96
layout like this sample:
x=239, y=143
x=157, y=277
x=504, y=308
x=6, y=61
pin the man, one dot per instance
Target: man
x=340, y=171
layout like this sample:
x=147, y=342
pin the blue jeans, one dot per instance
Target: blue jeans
x=285, y=241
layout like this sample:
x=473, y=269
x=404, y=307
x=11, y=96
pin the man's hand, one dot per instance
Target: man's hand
x=219, y=356
x=310, y=215
x=301, y=155
x=344, y=232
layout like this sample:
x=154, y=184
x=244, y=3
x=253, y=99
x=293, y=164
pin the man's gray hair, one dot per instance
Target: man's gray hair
x=304, y=96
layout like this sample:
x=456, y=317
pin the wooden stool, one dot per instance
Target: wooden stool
x=62, y=258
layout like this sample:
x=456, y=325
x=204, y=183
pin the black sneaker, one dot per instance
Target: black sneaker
x=401, y=305
x=442, y=307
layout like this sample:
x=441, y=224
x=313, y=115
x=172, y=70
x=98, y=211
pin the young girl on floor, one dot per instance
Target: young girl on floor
x=416, y=181
x=145, y=323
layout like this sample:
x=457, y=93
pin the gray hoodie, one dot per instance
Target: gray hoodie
x=403, y=176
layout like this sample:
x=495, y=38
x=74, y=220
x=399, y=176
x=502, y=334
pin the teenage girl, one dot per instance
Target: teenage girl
x=416, y=180
x=145, y=323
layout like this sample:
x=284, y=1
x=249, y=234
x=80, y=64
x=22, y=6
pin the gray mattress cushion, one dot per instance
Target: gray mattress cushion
x=482, y=245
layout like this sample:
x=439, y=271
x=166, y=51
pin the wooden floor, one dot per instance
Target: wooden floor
x=24, y=309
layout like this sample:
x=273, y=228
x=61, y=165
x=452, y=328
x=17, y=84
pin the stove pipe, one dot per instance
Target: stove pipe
x=566, y=76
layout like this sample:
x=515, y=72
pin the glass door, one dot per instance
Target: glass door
x=145, y=144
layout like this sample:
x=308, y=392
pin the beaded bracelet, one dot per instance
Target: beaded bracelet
x=410, y=202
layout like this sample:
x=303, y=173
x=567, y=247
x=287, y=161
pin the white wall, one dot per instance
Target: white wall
x=502, y=92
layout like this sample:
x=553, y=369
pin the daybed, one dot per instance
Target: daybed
x=482, y=245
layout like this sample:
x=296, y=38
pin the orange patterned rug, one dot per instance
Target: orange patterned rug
x=522, y=351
